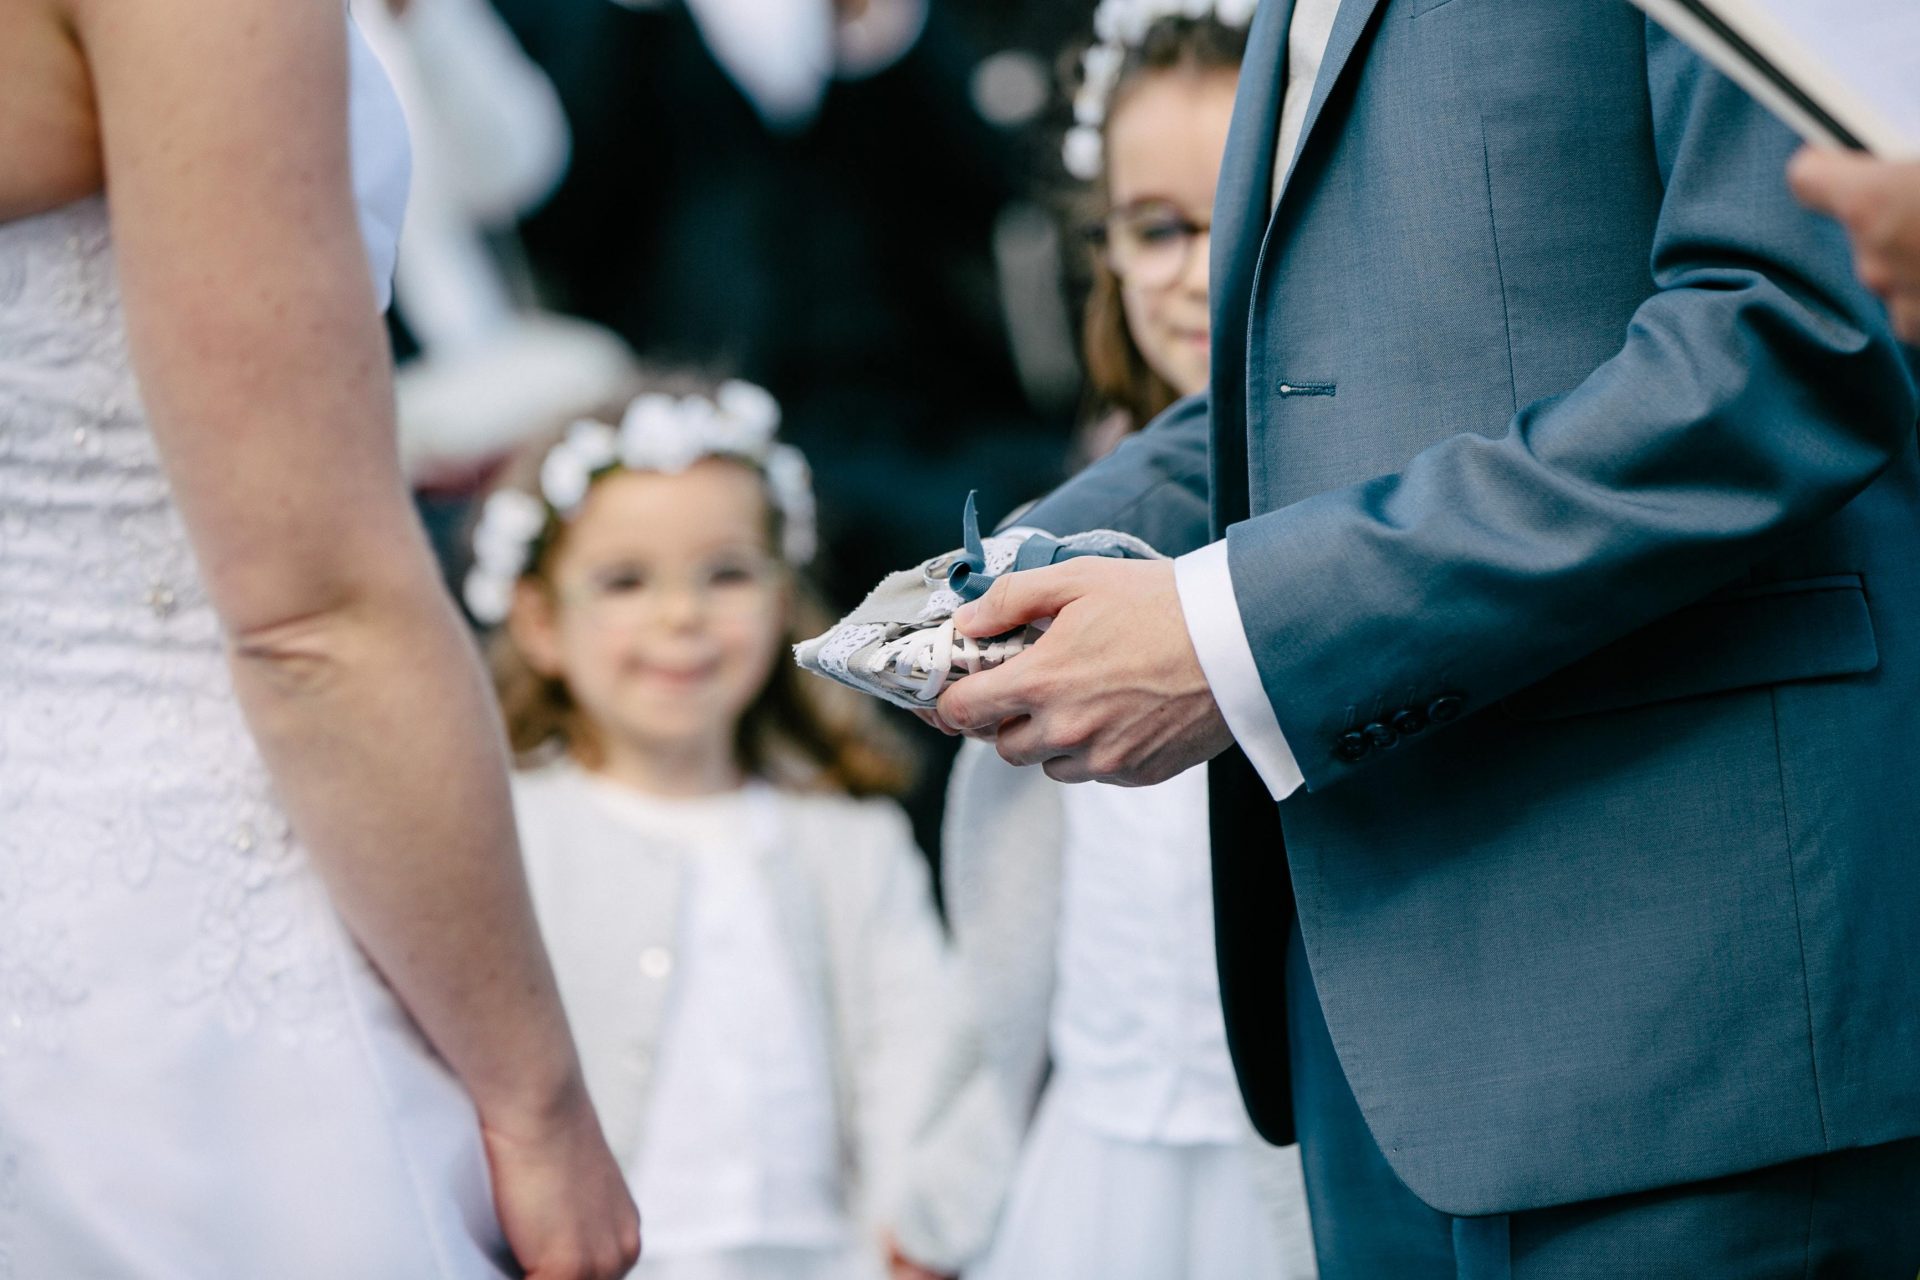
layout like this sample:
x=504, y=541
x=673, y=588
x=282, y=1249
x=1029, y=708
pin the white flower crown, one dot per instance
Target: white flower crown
x=1120, y=25
x=657, y=433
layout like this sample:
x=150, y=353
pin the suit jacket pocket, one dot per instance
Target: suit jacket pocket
x=1772, y=633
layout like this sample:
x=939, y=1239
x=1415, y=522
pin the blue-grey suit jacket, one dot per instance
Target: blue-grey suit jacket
x=1561, y=458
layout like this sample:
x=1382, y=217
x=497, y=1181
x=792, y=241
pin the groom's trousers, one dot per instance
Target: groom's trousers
x=1851, y=1215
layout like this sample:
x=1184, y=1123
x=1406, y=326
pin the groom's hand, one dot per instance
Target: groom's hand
x=1113, y=692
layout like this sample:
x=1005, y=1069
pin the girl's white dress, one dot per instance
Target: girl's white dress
x=757, y=983
x=200, y=1076
x=1086, y=918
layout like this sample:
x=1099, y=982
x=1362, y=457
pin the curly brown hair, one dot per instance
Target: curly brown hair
x=1119, y=378
x=799, y=732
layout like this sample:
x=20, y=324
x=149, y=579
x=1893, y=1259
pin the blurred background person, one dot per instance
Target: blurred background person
x=743, y=931
x=1084, y=914
x=806, y=193
x=801, y=192
x=482, y=367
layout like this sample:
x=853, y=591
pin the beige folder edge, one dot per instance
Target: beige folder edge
x=1694, y=21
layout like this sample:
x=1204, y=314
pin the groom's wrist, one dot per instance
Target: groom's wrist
x=1219, y=636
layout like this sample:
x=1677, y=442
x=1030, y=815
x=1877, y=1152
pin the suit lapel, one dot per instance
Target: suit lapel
x=1240, y=210
x=1244, y=219
x=1240, y=204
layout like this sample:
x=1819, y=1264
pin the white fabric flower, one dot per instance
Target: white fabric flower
x=660, y=433
x=489, y=598
x=1119, y=25
x=656, y=433
x=1082, y=152
x=790, y=481
x=593, y=443
x=569, y=469
x=693, y=435
x=509, y=523
x=1135, y=21
x=1100, y=66
x=647, y=421
x=754, y=408
x=564, y=480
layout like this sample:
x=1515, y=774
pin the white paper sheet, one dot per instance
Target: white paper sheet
x=1871, y=45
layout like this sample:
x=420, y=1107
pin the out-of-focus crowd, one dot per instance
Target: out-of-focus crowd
x=857, y=204
x=944, y=248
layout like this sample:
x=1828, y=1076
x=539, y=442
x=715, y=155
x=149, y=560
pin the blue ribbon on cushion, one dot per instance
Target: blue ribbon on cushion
x=969, y=577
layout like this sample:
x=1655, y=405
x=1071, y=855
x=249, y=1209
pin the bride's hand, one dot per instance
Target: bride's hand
x=562, y=1202
x=900, y=1266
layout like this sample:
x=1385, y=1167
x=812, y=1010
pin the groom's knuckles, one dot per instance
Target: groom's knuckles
x=1066, y=769
x=984, y=617
x=974, y=702
x=1072, y=732
x=1044, y=737
x=1105, y=762
x=1019, y=743
x=1016, y=599
x=978, y=701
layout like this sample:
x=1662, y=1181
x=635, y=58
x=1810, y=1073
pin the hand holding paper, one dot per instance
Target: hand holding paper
x=1840, y=72
x=1879, y=204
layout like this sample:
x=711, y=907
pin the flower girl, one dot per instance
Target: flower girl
x=741, y=925
x=1084, y=914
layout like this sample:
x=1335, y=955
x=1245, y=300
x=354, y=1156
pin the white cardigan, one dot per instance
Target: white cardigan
x=853, y=898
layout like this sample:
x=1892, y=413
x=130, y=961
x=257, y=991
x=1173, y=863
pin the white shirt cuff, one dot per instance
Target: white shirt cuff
x=1220, y=639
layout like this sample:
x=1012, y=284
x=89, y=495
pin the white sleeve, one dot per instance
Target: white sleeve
x=1220, y=639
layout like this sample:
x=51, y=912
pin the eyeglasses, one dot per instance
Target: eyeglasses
x=726, y=589
x=1149, y=244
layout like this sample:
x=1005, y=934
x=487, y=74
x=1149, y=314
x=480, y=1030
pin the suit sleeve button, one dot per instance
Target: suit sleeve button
x=1447, y=706
x=1380, y=736
x=1352, y=746
x=1408, y=722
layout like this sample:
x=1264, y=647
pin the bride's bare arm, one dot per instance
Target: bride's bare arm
x=264, y=368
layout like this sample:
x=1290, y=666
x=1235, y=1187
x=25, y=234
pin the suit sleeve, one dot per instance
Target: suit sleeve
x=1153, y=486
x=1759, y=389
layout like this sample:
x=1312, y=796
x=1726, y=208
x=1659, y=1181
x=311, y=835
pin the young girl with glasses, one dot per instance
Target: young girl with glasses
x=1084, y=914
x=1153, y=114
x=740, y=923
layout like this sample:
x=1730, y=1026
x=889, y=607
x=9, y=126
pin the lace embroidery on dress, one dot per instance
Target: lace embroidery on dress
x=125, y=767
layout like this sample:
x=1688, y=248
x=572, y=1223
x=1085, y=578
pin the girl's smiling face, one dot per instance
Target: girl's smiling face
x=1165, y=137
x=664, y=613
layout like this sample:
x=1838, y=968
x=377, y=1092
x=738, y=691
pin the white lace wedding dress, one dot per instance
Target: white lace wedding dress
x=200, y=1076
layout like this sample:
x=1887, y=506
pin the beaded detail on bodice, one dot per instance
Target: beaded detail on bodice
x=193, y=1052
x=124, y=763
